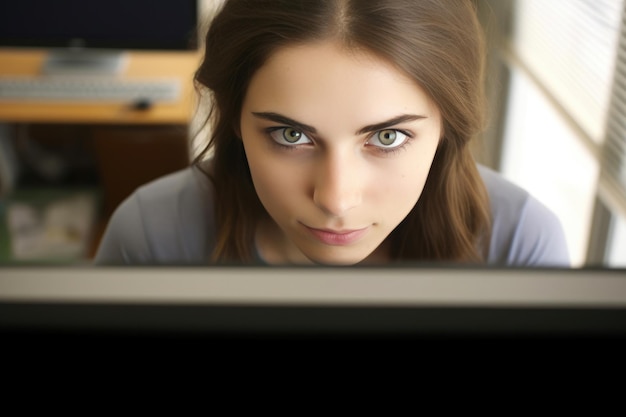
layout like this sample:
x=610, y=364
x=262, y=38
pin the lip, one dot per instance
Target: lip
x=337, y=237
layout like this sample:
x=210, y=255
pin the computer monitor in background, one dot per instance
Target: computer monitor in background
x=407, y=302
x=92, y=36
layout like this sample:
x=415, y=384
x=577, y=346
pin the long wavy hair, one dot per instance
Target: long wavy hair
x=438, y=43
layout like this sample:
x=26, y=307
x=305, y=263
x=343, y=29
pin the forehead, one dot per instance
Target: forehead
x=324, y=81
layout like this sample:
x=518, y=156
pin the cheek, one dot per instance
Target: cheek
x=406, y=181
x=401, y=195
x=274, y=180
x=269, y=180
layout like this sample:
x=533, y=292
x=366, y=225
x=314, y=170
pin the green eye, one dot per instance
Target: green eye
x=288, y=136
x=291, y=135
x=387, y=137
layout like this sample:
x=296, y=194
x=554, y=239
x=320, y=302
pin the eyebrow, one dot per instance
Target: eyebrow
x=391, y=122
x=279, y=118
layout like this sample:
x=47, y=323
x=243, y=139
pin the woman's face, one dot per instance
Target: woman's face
x=339, y=146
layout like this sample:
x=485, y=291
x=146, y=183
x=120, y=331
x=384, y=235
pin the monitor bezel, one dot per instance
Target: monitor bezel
x=274, y=302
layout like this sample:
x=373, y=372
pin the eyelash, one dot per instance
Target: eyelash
x=384, y=151
x=392, y=151
x=280, y=146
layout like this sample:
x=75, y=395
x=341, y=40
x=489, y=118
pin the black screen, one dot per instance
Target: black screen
x=110, y=24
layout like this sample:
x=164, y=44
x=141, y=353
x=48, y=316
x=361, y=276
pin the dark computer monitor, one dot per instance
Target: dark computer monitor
x=78, y=30
x=405, y=302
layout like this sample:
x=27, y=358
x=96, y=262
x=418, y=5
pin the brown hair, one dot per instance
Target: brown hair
x=437, y=43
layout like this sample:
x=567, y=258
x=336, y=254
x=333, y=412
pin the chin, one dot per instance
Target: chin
x=337, y=259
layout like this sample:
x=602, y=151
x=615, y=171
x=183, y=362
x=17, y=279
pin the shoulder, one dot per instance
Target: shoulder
x=524, y=231
x=175, y=191
x=168, y=220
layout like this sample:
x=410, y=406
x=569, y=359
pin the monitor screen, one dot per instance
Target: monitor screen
x=310, y=302
x=111, y=24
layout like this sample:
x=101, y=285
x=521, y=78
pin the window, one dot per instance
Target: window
x=564, y=133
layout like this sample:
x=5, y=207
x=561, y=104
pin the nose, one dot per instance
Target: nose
x=338, y=184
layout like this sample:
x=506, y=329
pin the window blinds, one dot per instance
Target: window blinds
x=613, y=175
x=576, y=51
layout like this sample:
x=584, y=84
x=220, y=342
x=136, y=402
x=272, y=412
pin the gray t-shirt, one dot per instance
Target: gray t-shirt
x=171, y=221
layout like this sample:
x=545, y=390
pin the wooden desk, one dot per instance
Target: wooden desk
x=130, y=147
x=140, y=64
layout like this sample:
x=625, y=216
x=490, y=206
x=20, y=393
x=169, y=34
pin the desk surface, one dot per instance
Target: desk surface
x=140, y=64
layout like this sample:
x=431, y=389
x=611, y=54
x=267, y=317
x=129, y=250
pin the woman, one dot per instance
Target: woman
x=339, y=135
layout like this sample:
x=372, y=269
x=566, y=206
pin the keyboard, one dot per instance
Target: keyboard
x=91, y=89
